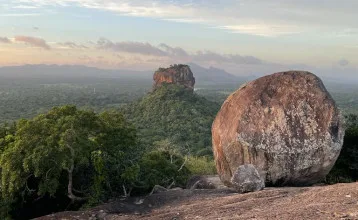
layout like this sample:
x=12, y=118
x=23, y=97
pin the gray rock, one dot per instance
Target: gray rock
x=286, y=124
x=199, y=182
x=158, y=189
x=247, y=179
x=176, y=189
x=101, y=215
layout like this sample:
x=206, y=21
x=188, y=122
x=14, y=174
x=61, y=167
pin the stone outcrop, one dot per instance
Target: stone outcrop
x=247, y=179
x=158, y=189
x=286, y=124
x=175, y=74
x=200, y=182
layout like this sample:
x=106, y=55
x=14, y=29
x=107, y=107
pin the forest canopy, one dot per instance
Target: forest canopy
x=71, y=156
x=171, y=112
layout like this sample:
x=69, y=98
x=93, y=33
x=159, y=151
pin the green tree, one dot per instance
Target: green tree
x=67, y=151
x=346, y=167
x=162, y=168
x=46, y=146
x=119, y=153
x=7, y=133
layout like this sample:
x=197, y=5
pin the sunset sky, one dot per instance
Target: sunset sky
x=248, y=34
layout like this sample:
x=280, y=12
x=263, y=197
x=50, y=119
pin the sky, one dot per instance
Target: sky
x=241, y=36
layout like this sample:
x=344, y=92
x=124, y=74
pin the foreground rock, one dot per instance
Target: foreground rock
x=200, y=182
x=247, y=179
x=158, y=189
x=176, y=74
x=295, y=203
x=286, y=124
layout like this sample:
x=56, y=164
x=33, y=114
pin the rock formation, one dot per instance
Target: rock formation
x=199, y=182
x=158, y=189
x=286, y=124
x=175, y=74
x=247, y=179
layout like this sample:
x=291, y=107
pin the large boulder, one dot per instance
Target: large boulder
x=175, y=74
x=286, y=124
x=247, y=179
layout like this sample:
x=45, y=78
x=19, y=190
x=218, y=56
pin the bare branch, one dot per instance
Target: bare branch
x=182, y=166
x=171, y=185
x=124, y=191
x=48, y=173
x=78, y=191
x=76, y=198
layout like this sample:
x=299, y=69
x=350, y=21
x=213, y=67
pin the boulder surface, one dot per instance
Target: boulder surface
x=175, y=74
x=286, y=124
x=247, y=179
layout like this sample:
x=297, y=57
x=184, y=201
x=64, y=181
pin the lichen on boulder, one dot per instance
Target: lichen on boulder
x=286, y=124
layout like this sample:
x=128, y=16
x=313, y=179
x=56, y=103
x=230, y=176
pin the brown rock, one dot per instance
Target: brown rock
x=175, y=74
x=286, y=124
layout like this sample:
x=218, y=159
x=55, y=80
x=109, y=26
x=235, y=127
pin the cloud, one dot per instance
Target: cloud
x=175, y=53
x=33, y=41
x=255, y=17
x=343, y=62
x=20, y=15
x=209, y=56
x=130, y=47
x=162, y=52
x=265, y=30
x=25, y=7
x=72, y=45
x=5, y=40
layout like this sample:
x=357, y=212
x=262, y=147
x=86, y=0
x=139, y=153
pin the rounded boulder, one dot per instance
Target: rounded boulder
x=286, y=124
x=247, y=179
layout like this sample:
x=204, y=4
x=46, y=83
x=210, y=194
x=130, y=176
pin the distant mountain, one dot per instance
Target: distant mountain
x=204, y=76
x=213, y=75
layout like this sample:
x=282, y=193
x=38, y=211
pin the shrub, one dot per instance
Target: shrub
x=201, y=166
x=346, y=168
x=162, y=168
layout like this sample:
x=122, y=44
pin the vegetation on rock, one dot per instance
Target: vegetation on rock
x=176, y=114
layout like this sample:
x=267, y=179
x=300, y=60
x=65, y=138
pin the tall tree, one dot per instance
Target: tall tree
x=65, y=142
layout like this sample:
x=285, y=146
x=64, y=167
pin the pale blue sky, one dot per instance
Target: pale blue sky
x=224, y=33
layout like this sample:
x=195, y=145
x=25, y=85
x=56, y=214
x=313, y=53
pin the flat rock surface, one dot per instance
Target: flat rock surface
x=338, y=201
